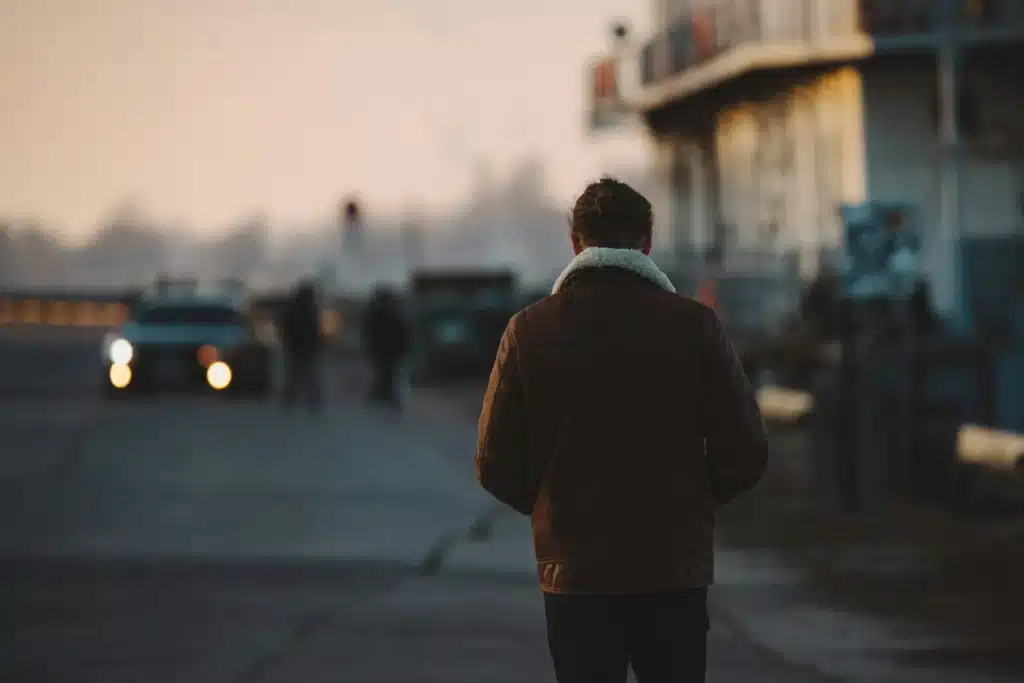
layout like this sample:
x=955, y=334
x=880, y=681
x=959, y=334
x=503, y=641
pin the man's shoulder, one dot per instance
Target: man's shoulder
x=681, y=304
x=662, y=303
x=545, y=308
x=527, y=316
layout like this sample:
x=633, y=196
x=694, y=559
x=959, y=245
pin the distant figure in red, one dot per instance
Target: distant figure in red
x=707, y=294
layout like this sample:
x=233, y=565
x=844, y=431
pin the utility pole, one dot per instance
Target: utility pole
x=350, y=229
x=950, y=69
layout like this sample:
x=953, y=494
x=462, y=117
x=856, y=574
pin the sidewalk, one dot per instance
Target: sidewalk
x=912, y=594
x=505, y=550
x=495, y=554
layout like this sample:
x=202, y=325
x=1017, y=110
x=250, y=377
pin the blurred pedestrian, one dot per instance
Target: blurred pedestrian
x=387, y=339
x=302, y=340
x=819, y=305
x=922, y=312
x=619, y=418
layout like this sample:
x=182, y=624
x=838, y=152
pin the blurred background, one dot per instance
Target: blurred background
x=143, y=135
x=209, y=210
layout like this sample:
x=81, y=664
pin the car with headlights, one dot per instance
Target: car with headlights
x=187, y=344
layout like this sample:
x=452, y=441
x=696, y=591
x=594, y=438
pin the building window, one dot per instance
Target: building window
x=988, y=109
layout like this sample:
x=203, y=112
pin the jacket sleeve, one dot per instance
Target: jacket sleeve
x=734, y=434
x=502, y=455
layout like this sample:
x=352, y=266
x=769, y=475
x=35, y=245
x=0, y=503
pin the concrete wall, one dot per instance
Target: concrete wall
x=682, y=212
x=787, y=164
x=660, y=189
x=905, y=157
x=782, y=168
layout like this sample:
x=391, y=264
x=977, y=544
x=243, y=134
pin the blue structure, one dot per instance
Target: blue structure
x=880, y=251
x=994, y=284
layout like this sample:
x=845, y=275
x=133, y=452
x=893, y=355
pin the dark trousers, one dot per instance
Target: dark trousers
x=596, y=638
x=302, y=376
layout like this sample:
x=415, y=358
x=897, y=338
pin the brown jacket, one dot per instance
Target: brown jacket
x=618, y=418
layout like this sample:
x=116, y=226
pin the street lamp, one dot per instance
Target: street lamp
x=350, y=226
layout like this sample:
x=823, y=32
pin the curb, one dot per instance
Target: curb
x=478, y=531
x=727, y=616
x=481, y=530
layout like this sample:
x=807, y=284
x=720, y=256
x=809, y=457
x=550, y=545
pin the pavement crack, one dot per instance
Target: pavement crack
x=307, y=626
x=304, y=629
x=482, y=527
x=479, y=530
x=433, y=561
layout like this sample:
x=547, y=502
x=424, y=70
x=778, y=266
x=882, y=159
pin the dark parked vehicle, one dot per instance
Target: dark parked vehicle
x=458, y=320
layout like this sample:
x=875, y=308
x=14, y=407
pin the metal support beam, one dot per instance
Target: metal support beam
x=950, y=67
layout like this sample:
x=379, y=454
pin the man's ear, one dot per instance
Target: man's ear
x=577, y=243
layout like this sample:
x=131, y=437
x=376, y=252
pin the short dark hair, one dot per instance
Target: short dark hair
x=610, y=213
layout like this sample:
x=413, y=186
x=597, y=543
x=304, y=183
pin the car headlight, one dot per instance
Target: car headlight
x=218, y=375
x=121, y=351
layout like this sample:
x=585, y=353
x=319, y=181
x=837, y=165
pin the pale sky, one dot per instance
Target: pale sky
x=204, y=110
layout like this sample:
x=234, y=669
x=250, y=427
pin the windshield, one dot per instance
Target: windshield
x=189, y=315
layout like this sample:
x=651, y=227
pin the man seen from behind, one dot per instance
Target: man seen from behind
x=618, y=417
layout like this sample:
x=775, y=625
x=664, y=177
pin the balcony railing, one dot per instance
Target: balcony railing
x=885, y=18
x=909, y=17
x=702, y=35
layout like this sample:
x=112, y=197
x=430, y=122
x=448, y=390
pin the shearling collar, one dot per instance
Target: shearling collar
x=627, y=259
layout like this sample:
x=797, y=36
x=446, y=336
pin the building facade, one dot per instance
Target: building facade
x=769, y=115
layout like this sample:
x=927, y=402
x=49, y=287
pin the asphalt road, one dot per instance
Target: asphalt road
x=48, y=363
x=177, y=540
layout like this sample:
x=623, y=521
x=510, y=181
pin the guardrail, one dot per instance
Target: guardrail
x=994, y=449
x=70, y=310
x=781, y=406
x=103, y=309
